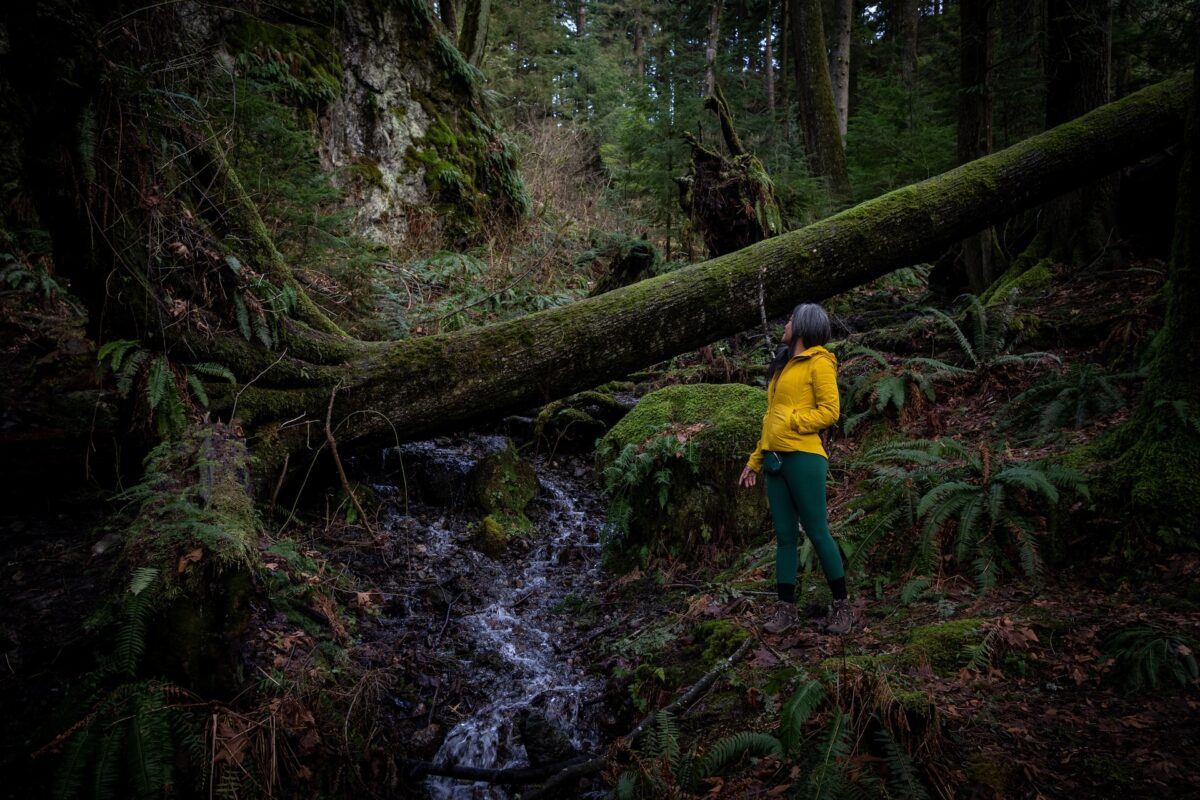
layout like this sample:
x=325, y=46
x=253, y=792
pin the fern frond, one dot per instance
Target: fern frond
x=114, y=352
x=106, y=769
x=829, y=777
x=796, y=712
x=151, y=749
x=956, y=332
x=903, y=779
x=1030, y=479
x=913, y=589
x=214, y=371
x=243, y=316
x=129, y=371
x=732, y=748
x=197, y=387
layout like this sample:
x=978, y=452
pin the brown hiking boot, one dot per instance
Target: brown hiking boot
x=782, y=618
x=841, y=618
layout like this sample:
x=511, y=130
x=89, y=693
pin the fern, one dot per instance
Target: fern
x=828, y=778
x=796, y=712
x=731, y=748
x=903, y=779
x=114, y=352
x=913, y=589
x=79, y=754
x=107, y=770
x=633, y=467
x=1142, y=656
x=663, y=739
x=151, y=748
x=978, y=656
x=243, y=317
x=989, y=502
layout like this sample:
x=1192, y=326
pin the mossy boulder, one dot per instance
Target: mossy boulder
x=577, y=421
x=502, y=487
x=941, y=645
x=683, y=502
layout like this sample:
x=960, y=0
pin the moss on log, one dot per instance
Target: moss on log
x=420, y=387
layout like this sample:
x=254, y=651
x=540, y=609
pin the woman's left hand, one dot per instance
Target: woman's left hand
x=747, y=478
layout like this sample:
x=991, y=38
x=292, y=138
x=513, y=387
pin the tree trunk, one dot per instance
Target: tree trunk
x=839, y=61
x=710, y=51
x=639, y=47
x=975, y=123
x=769, y=64
x=473, y=39
x=1152, y=463
x=785, y=29
x=449, y=17
x=907, y=16
x=1076, y=225
x=814, y=98
x=580, y=18
x=421, y=387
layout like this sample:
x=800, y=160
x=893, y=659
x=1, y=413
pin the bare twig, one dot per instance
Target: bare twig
x=338, y=462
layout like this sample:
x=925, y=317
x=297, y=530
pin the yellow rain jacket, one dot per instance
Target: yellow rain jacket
x=802, y=400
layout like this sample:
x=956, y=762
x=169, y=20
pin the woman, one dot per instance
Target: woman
x=802, y=400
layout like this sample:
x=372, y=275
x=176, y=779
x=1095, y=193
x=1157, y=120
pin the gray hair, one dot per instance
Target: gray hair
x=810, y=324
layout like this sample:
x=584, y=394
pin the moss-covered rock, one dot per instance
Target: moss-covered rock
x=502, y=486
x=941, y=645
x=577, y=421
x=681, y=502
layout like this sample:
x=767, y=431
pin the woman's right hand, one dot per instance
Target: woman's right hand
x=747, y=478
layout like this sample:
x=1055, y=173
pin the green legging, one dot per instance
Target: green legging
x=797, y=497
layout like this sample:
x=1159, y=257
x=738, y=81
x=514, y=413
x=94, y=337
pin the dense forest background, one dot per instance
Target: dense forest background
x=378, y=372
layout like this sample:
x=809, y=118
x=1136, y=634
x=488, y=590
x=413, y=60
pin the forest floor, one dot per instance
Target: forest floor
x=1009, y=693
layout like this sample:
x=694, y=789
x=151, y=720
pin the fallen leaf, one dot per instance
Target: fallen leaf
x=763, y=658
x=369, y=599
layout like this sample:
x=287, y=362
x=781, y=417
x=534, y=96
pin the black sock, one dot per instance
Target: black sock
x=786, y=591
x=838, y=589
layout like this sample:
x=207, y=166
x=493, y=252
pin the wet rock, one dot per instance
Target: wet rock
x=426, y=741
x=545, y=743
x=502, y=486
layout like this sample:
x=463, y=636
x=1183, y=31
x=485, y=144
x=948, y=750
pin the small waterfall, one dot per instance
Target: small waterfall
x=520, y=640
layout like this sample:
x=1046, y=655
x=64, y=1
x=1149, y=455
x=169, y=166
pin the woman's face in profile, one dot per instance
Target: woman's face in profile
x=787, y=332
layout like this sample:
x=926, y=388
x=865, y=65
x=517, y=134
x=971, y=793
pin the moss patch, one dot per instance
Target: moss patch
x=941, y=645
x=702, y=502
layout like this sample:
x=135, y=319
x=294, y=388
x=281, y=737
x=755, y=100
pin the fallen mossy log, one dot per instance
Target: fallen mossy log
x=419, y=387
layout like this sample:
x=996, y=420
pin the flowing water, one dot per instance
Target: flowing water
x=515, y=637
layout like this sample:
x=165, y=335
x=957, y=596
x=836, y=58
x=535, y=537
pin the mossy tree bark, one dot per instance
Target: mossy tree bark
x=473, y=39
x=423, y=386
x=1075, y=226
x=1155, y=470
x=975, y=122
x=814, y=99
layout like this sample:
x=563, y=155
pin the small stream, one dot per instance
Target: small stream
x=511, y=631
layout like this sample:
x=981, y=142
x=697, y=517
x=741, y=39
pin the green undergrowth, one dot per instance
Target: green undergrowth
x=670, y=467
